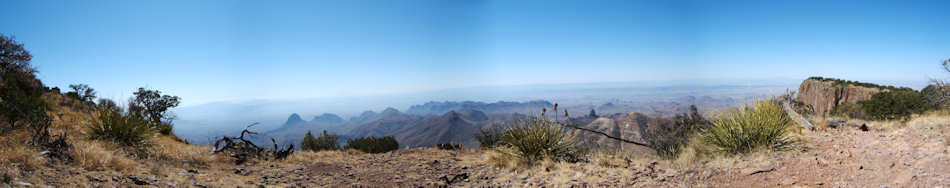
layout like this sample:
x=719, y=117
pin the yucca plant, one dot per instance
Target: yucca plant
x=538, y=139
x=124, y=129
x=765, y=125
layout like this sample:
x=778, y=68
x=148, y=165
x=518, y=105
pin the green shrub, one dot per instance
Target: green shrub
x=668, y=137
x=151, y=105
x=763, y=126
x=890, y=105
x=21, y=93
x=857, y=83
x=124, y=129
x=489, y=138
x=373, y=144
x=538, y=139
x=324, y=142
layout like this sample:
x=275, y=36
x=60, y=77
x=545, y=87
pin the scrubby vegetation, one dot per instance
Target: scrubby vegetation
x=540, y=138
x=857, y=83
x=893, y=105
x=764, y=125
x=324, y=142
x=669, y=137
x=489, y=138
x=373, y=144
x=937, y=94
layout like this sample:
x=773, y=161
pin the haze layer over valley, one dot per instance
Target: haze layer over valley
x=201, y=123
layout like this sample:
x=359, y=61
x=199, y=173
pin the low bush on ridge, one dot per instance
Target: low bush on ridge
x=373, y=144
x=488, y=138
x=668, y=138
x=764, y=125
x=323, y=142
x=893, y=105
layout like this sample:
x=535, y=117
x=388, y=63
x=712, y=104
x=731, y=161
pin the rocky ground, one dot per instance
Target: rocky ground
x=889, y=154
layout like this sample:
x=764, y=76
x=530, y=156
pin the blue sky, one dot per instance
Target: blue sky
x=209, y=51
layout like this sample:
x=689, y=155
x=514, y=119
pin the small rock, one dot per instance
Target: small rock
x=20, y=183
x=94, y=178
x=819, y=183
x=789, y=182
x=139, y=181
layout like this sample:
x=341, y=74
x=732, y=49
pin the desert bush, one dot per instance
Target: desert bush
x=324, y=142
x=765, y=125
x=538, y=139
x=151, y=105
x=448, y=146
x=899, y=104
x=667, y=138
x=489, y=138
x=124, y=129
x=373, y=144
x=107, y=104
x=937, y=95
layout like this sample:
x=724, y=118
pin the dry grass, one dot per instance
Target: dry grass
x=604, y=169
x=16, y=157
x=503, y=157
x=100, y=156
x=171, y=151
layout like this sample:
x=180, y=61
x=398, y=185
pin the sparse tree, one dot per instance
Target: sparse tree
x=107, y=104
x=153, y=106
x=20, y=92
x=82, y=92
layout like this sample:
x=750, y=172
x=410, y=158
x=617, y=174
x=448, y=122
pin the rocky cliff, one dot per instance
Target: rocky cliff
x=826, y=95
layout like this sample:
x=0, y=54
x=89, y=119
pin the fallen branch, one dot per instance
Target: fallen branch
x=762, y=171
x=241, y=148
x=605, y=135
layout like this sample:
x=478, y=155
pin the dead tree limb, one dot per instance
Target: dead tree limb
x=605, y=135
x=242, y=149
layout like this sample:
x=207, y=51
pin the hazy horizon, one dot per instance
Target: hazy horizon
x=220, y=51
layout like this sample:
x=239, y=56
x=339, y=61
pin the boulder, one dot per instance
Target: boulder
x=825, y=95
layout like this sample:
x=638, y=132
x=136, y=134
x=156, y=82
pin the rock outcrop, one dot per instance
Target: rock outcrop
x=824, y=96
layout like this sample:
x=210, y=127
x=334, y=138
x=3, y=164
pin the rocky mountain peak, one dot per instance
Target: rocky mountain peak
x=294, y=119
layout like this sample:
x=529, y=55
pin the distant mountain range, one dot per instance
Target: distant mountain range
x=412, y=130
x=441, y=122
x=202, y=123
